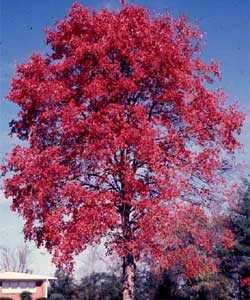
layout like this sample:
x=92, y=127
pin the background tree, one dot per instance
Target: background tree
x=17, y=260
x=64, y=287
x=95, y=258
x=100, y=286
x=241, y=229
x=125, y=141
x=235, y=262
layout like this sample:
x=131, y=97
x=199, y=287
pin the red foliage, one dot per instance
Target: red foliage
x=125, y=139
x=245, y=282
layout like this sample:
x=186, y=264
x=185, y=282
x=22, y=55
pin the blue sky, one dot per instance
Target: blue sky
x=226, y=27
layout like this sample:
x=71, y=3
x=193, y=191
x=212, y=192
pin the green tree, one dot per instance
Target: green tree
x=64, y=288
x=100, y=286
x=234, y=263
x=237, y=260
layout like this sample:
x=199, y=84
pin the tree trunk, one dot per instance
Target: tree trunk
x=129, y=268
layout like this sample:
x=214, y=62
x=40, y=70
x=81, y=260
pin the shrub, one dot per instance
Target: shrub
x=25, y=296
x=56, y=296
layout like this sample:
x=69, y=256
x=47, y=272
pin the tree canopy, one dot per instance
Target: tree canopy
x=125, y=140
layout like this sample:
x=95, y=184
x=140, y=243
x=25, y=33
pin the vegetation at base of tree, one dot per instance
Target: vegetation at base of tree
x=215, y=286
x=57, y=297
x=25, y=296
x=64, y=287
x=100, y=286
x=150, y=286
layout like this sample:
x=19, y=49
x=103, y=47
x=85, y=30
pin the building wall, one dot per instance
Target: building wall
x=40, y=292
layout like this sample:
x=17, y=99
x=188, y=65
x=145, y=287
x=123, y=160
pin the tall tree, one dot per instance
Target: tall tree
x=125, y=141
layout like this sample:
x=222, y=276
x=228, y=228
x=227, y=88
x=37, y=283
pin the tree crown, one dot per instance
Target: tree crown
x=125, y=139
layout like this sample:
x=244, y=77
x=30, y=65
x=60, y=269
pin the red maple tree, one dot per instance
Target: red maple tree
x=125, y=141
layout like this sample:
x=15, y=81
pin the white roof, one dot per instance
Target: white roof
x=23, y=276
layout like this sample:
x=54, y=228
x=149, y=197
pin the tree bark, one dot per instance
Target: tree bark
x=129, y=268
